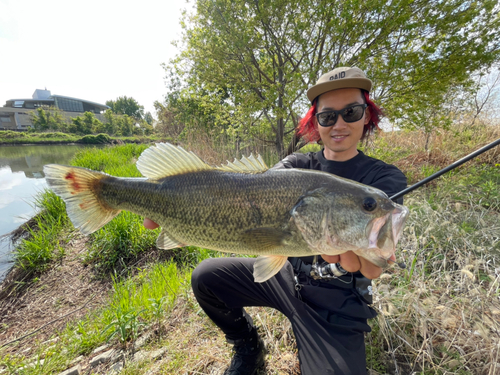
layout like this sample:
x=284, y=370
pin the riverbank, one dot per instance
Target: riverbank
x=439, y=316
x=8, y=137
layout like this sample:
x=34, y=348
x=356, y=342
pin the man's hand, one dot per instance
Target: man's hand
x=353, y=263
x=150, y=224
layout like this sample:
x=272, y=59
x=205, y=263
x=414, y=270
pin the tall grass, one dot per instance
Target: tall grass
x=442, y=314
x=44, y=240
x=124, y=237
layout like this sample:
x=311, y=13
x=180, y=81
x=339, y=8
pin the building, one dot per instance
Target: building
x=16, y=114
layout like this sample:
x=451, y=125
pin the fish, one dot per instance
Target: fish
x=241, y=207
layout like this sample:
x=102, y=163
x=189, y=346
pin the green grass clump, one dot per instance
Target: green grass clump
x=122, y=239
x=44, y=242
x=95, y=139
x=111, y=159
x=9, y=134
x=134, y=303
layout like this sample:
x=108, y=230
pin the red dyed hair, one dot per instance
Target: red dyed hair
x=307, y=129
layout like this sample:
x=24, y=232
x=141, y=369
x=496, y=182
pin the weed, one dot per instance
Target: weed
x=119, y=241
x=125, y=325
x=43, y=244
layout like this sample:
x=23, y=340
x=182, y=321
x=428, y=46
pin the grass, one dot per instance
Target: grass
x=44, y=242
x=438, y=316
x=15, y=137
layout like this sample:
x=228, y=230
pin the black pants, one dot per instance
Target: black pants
x=328, y=324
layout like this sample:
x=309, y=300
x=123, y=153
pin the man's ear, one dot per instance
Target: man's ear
x=367, y=116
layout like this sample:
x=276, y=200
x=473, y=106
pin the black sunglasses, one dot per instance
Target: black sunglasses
x=349, y=114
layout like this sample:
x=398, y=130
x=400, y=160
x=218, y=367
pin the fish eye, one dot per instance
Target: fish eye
x=369, y=204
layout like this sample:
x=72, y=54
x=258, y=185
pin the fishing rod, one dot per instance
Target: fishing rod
x=446, y=169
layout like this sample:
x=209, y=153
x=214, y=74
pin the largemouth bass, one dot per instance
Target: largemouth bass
x=242, y=207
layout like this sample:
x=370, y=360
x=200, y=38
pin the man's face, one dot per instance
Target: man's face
x=341, y=139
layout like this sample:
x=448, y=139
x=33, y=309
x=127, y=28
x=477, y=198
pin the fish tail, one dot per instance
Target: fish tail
x=79, y=188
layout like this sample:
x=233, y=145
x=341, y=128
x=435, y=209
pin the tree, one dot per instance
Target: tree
x=250, y=62
x=50, y=119
x=126, y=106
x=86, y=124
x=148, y=117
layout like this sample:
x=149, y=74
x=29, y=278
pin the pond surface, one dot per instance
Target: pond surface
x=21, y=178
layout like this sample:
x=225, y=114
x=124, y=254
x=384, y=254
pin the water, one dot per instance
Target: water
x=21, y=177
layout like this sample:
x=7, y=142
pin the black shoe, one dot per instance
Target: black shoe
x=248, y=356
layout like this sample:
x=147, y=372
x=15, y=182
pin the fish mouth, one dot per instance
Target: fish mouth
x=399, y=216
x=374, y=228
x=385, y=231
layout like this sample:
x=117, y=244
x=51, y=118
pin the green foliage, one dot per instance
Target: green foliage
x=120, y=240
x=9, y=134
x=148, y=117
x=125, y=325
x=126, y=106
x=95, y=139
x=86, y=124
x=244, y=66
x=36, y=251
x=50, y=119
x=111, y=159
x=125, y=125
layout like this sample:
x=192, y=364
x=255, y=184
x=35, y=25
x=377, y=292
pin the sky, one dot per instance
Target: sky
x=92, y=50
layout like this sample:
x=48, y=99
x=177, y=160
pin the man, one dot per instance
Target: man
x=328, y=316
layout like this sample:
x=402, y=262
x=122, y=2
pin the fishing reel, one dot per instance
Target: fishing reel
x=326, y=270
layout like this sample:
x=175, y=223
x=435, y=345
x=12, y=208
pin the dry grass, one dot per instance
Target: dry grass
x=406, y=149
x=64, y=288
x=196, y=346
x=442, y=315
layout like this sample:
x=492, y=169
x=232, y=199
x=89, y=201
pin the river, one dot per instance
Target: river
x=21, y=178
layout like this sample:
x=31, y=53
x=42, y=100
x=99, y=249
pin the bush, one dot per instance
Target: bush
x=11, y=134
x=95, y=139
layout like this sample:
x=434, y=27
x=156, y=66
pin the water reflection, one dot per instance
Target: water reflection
x=21, y=178
x=30, y=159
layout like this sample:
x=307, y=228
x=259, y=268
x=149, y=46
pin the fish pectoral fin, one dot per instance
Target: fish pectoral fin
x=265, y=239
x=266, y=267
x=165, y=242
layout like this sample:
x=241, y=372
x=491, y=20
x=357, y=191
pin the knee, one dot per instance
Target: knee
x=203, y=274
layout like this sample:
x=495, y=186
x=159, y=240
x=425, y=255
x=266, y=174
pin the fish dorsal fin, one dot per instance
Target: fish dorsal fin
x=165, y=159
x=245, y=165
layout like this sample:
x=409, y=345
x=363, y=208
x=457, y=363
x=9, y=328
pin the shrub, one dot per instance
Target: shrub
x=95, y=139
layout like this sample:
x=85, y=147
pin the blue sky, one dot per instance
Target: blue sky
x=93, y=50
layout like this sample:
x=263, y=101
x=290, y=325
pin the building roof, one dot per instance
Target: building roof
x=101, y=106
x=45, y=96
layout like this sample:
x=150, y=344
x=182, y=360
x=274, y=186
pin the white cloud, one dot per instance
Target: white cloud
x=7, y=182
